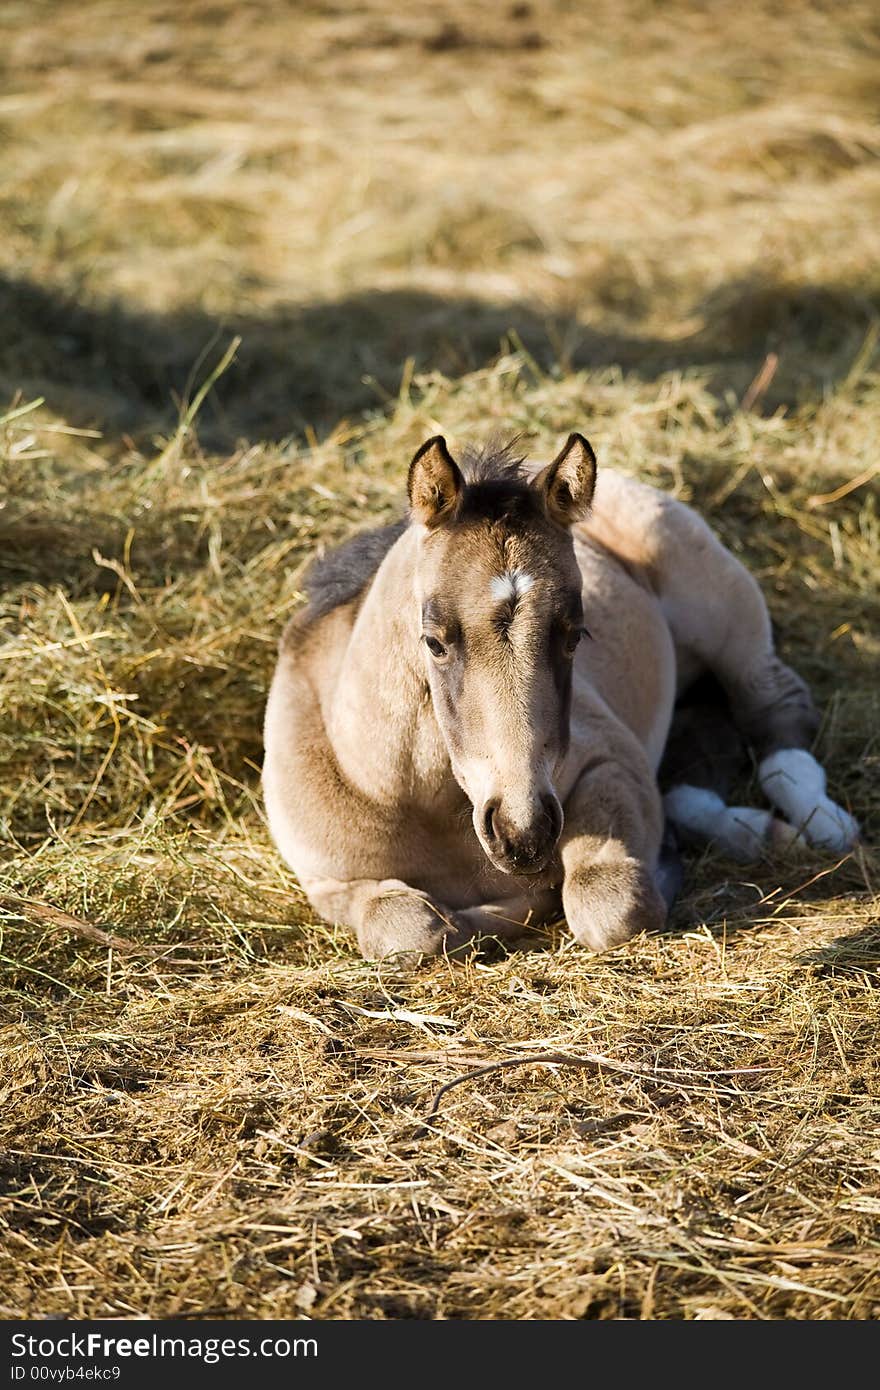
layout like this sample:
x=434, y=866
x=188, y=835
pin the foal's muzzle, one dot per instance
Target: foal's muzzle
x=519, y=850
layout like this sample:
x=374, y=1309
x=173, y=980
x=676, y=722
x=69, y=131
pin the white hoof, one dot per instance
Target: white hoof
x=795, y=782
x=742, y=832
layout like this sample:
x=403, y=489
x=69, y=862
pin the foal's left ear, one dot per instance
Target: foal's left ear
x=435, y=483
x=568, y=482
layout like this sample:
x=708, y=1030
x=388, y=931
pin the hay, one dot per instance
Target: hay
x=628, y=221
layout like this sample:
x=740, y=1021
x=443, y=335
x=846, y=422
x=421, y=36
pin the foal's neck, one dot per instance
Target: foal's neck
x=381, y=721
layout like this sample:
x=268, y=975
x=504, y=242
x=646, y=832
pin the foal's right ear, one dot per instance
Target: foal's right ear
x=567, y=483
x=435, y=483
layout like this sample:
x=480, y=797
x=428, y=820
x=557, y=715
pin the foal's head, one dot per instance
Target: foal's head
x=499, y=593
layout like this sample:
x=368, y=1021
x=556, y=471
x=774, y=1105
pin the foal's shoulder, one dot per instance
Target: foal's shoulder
x=341, y=574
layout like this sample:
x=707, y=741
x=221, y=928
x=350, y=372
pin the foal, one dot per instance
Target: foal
x=466, y=720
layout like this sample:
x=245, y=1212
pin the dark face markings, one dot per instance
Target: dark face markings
x=501, y=613
x=554, y=641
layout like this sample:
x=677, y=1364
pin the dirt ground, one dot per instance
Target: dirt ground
x=250, y=257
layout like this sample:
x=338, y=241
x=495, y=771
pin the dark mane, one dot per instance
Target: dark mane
x=494, y=462
x=497, y=485
x=342, y=573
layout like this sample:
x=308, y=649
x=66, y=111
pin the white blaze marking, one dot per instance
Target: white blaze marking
x=794, y=781
x=506, y=588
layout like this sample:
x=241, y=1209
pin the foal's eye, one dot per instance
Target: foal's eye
x=573, y=636
x=436, y=648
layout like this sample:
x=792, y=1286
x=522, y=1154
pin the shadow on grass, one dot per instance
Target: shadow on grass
x=731, y=900
x=124, y=371
x=859, y=952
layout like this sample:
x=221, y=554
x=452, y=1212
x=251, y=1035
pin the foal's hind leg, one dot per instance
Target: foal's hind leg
x=705, y=754
x=720, y=623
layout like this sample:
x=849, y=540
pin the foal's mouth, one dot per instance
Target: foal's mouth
x=518, y=869
x=524, y=854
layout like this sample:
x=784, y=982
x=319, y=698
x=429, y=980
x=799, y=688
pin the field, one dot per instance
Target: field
x=250, y=257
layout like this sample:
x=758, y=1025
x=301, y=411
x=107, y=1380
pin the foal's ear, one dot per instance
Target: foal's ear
x=567, y=483
x=435, y=483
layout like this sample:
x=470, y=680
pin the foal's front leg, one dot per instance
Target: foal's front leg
x=390, y=917
x=609, y=848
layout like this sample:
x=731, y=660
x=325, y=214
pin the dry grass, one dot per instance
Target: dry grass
x=539, y=218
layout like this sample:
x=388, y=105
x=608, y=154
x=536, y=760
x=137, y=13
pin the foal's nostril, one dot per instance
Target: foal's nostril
x=490, y=827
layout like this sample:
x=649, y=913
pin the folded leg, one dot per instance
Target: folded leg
x=391, y=918
x=609, y=848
